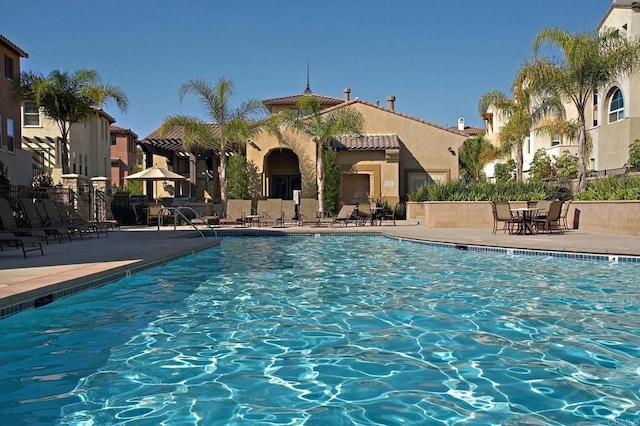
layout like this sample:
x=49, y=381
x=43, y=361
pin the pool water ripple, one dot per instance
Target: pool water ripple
x=334, y=331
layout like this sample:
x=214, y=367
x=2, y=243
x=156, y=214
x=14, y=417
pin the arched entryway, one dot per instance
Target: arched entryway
x=281, y=174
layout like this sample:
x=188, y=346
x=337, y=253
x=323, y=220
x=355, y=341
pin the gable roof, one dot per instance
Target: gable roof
x=12, y=46
x=293, y=99
x=171, y=140
x=393, y=111
x=121, y=130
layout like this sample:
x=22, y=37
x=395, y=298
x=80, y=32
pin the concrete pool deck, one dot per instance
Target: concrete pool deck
x=72, y=264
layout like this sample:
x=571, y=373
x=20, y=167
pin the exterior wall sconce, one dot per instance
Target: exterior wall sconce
x=451, y=151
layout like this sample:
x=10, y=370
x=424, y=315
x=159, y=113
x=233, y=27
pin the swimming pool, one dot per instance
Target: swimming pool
x=333, y=330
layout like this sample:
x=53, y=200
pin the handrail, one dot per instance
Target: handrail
x=178, y=211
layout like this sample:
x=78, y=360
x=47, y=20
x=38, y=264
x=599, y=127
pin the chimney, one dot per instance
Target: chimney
x=391, y=100
x=461, y=124
x=347, y=94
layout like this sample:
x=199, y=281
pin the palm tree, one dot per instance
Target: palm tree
x=322, y=127
x=68, y=98
x=522, y=111
x=473, y=155
x=588, y=61
x=230, y=125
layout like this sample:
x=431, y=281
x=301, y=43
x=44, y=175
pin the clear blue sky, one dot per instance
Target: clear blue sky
x=436, y=57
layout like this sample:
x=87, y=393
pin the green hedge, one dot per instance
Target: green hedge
x=612, y=188
x=484, y=191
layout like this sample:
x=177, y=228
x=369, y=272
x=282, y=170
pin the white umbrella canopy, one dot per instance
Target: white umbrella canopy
x=155, y=173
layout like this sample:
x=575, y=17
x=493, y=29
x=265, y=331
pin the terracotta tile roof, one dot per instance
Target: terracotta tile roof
x=117, y=129
x=392, y=111
x=293, y=99
x=468, y=131
x=9, y=44
x=366, y=143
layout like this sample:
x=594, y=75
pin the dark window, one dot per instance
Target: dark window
x=113, y=140
x=8, y=67
x=31, y=114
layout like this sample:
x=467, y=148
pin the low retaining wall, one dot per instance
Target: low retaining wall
x=616, y=217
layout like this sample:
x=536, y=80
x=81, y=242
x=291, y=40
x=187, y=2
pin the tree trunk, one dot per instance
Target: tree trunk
x=582, y=151
x=65, y=155
x=320, y=175
x=223, y=182
x=519, y=162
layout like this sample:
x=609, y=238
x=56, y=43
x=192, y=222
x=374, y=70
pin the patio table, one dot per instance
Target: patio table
x=526, y=225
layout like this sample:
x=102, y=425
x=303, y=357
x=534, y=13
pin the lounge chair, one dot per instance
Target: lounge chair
x=502, y=213
x=9, y=239
x=70, y=216
x=10, y=224
x=551, y=219
x=236, y=212
x=362, y=214
x=345, y=214
x=288, y=211
x=34, y=220
x=270, y=211
x=54, y=218
x=308, y=211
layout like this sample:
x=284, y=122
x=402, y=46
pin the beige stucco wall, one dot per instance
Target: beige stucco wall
x=616, y=217
x=89, y=140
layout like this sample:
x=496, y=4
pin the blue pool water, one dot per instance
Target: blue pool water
x=334, y=331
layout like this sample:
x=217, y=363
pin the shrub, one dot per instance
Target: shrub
x=634, y=155
x=332, y=176
x=612, y=188
x=484, y=191
x=238, y=178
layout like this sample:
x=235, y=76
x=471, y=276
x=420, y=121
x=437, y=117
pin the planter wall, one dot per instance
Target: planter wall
x=616, y=217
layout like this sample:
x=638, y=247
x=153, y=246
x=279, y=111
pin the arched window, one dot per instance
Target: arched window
x=616, y=108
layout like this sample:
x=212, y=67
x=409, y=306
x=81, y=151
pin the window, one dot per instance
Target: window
x=10, y=135
x=31, y=114
x=595, y=108
x=113, y=140
x=555, y=140
x=616, y=109
x=8, y=67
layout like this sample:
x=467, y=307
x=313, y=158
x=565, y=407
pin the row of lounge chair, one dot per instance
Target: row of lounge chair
x=32, y=223
x=278, y=212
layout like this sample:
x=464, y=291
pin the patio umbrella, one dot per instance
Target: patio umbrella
x=155, y=174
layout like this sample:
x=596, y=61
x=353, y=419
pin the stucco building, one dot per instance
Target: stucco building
x=123, y=153
x=17, y=161
x=612, y=116
x=395, y=154
x=89, y=143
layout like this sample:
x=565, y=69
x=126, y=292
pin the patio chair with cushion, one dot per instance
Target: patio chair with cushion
x=388, y=213
x=502, y=213
x=543, y=208
x=551, y=219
